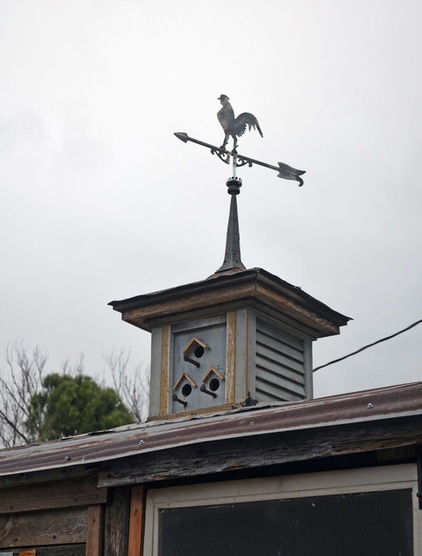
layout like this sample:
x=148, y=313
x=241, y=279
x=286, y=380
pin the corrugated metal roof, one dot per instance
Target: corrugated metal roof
x=384, y=403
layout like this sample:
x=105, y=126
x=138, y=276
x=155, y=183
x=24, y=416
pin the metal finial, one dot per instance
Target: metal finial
x=232, y=260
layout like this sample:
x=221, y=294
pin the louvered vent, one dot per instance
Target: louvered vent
x=280, y=365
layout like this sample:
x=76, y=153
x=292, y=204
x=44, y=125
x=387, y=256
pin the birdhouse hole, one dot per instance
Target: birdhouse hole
x=186, y=390
x=214, y=384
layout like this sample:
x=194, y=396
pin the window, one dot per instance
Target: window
x=352, y=513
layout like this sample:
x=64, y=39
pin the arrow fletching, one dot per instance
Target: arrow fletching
x=288, y=173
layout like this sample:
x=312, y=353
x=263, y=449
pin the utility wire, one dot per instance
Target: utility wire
x=368, y=346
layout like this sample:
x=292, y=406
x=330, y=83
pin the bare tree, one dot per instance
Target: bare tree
x=133, y=390
x=22, y=381
x=22, y=384
x=77, y=368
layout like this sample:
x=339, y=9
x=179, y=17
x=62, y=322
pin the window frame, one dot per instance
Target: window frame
x=372, y=479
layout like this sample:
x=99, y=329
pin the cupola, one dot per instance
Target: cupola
x=239, y=338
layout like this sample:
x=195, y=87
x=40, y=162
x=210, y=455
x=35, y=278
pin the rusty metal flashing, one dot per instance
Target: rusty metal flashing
x=254, y=287
x=384, y=404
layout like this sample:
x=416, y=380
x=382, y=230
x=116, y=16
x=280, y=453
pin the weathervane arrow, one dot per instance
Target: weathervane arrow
x=284, y=170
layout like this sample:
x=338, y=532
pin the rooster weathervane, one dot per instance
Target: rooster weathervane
x=234, y=128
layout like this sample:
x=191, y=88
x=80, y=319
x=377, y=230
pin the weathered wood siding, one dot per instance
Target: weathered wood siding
x=49, y=495
x=66, y=550
x=47, y=527
x=116, y=522
x=55, y=518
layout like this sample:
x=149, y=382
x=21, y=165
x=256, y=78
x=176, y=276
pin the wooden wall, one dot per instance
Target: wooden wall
x=72, y=517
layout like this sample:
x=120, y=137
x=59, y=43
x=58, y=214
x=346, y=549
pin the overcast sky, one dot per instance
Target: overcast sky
x=99, y=201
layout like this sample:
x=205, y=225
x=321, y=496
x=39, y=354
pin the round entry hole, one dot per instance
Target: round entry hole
x=186, y=390
x=214, y=384
x=199, y=351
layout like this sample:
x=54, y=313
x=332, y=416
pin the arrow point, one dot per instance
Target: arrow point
x=182, y=136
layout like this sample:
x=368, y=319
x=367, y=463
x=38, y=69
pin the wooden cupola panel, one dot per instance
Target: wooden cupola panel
x=234, y=339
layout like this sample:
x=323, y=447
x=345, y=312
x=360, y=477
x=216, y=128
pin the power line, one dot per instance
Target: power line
x=369, y=345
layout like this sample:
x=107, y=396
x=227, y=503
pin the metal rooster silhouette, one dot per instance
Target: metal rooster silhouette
x=234, y=127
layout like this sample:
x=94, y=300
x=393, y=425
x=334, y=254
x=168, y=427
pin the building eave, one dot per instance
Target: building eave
x=390, y=404
x=255, y=287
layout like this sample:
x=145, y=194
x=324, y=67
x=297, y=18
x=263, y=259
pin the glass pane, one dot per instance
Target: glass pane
x=376, y=523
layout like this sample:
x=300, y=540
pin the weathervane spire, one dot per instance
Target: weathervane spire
x=232, y=260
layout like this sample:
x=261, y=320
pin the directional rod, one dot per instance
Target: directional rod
x=284, y=171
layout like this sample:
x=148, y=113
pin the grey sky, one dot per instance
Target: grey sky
x=99, y=201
